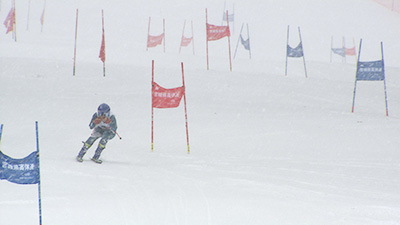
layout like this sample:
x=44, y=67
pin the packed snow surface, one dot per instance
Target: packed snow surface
x=265, y=148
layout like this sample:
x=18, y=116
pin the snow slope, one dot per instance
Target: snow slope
x=265, y=148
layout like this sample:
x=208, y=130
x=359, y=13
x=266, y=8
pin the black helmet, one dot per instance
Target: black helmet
x=103, y=109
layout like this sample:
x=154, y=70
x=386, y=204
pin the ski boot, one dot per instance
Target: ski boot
x=82, y=152
x=97, y=154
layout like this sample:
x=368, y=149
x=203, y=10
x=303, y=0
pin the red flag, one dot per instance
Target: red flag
x=153, y=41
x=350, y=51
x=186, y=41
x=166, y=98
x=10, y=21
x=102, y=54
x=217, y=32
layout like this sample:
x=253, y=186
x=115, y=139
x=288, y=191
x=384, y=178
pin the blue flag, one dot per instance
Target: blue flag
x=372, y=70
x=339, y=51
x=1, y=131
x=20, y=171
x=245, y=43
x=295, y=52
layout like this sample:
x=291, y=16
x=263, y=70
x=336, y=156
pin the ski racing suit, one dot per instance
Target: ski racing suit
x=104, y=127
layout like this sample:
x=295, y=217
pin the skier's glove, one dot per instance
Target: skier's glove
x=103, y=119
x=106, y=120
x=97, y=120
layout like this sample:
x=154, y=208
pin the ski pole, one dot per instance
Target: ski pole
x=115, y=132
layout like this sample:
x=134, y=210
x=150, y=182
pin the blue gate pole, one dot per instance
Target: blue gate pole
x=248, y=37
x=39, y=189
x=302, y=49
x=384, y=80
x=287, y=44
x=1, y=131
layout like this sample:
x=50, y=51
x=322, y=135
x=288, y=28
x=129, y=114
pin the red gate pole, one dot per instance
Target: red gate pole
x=186, y=118
x=183, y=32
x=103, y=42
x=229, y=42
x=207, y=40
x=148, y=35
x=152, y=109
x=192, y=37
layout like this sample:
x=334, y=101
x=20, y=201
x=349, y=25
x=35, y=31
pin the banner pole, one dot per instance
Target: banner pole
x=102, y=21
x=186, y=117
x=248, y=37
x=192, y=37
x=237, y=44
x=229, y=42
x=76, y=36
x=287, y=45
x=148, y=35
x=304, y=58
x=384, y=80
x=15, y=22
x=355, y=83
x=208, y=67
x=39, y=186
x=183, y=32
x=164, y=33
x=42, y=18
x=152, y=108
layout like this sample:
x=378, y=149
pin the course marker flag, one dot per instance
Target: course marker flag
x=296, y=52
x=23, y=171
x=370, y=71
x=167, y=98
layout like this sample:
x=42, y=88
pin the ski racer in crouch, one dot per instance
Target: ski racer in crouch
x=104, y=125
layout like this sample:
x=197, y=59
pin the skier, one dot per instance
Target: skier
x=104, y=125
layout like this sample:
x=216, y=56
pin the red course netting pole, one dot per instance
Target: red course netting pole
x=208, y=67
x=186, y=118
x=152, y=109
